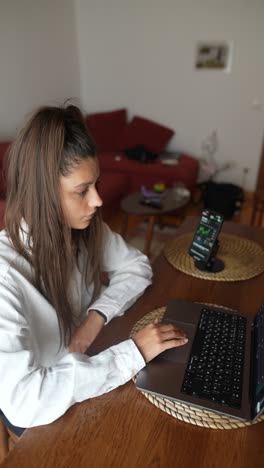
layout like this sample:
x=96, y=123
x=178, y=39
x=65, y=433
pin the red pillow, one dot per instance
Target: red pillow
x=4, y=145
x=105, y=127
x=145, y=132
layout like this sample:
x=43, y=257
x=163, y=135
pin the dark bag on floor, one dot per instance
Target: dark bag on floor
x=141, y=154
x=226, y=199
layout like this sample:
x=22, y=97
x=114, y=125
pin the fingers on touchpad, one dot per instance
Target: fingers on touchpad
x=181, y=353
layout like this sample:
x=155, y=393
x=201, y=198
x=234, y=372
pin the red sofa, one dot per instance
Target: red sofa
x=138, y=174
x=120, y=175
x=113, y=135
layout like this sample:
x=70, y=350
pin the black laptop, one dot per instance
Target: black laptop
x=221, y=368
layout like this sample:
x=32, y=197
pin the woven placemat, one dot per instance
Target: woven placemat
x=182, y=411
x=242, y=257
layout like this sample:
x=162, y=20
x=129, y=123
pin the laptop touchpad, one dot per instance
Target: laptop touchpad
x=181, y=353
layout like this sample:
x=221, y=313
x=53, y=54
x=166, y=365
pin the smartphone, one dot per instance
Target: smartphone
x=206, y=234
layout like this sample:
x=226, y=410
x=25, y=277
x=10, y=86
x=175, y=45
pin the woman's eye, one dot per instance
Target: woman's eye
x=83, y=193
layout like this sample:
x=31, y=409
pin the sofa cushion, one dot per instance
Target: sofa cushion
x=105, y=128
x=4, y=145
x=112, y=188
x=145, y=132
x=138, y=174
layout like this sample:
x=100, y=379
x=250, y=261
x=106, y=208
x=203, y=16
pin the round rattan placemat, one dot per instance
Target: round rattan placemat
x=181, y=411
x=242, y=257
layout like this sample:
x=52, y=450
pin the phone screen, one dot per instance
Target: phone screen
x=206, y=234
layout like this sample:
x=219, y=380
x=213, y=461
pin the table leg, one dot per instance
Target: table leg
x=149, y=234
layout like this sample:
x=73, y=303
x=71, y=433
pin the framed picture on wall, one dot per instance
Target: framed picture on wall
x=213, y=56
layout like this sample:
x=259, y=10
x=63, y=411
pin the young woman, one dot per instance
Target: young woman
x=52, y=253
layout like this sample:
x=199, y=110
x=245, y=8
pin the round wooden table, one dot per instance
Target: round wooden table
x=131, y=206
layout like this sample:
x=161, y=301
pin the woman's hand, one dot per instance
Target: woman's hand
x=157, y=337
x=86, y=333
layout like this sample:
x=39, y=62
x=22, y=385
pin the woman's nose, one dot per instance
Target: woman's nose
x=95, y=200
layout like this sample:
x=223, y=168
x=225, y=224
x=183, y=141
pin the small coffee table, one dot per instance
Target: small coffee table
x=130, y=206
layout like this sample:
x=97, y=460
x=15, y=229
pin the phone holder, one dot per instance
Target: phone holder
x=213, y=264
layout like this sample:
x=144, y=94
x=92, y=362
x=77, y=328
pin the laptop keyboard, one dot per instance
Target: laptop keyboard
x=215, y=368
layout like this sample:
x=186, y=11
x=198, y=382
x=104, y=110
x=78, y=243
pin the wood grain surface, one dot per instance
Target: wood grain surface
x=122, y=428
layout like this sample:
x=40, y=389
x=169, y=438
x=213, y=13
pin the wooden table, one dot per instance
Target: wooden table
x=122, y=428
x=131, y=206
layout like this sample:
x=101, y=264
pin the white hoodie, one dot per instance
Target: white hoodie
x=39, y=380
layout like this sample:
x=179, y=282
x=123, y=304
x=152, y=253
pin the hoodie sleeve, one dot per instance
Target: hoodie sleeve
x=33, y=395
x=129, y=274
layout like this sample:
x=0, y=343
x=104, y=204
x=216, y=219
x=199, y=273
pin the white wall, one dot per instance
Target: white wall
x=140, y=54
x=38, y=58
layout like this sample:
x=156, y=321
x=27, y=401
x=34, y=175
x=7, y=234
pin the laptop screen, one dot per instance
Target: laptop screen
x=258, y=376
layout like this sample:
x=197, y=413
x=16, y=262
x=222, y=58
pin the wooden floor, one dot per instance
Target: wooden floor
x=244, y=216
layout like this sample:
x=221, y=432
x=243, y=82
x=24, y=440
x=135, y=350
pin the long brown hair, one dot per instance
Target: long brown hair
x=51, y=144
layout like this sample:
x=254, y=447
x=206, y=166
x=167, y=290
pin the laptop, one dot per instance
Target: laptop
x=220, y=369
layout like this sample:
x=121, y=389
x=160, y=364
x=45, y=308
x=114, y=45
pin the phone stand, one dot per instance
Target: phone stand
x=213, y=265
